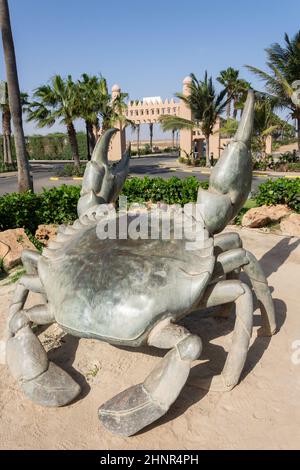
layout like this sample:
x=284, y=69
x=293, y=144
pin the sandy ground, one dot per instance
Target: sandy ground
x=262, y=412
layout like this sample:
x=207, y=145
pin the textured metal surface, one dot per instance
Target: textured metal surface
x=116, y=289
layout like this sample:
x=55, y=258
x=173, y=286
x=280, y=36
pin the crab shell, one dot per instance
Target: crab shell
x=116, y=290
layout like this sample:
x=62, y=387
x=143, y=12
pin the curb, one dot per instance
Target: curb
x=57, y=178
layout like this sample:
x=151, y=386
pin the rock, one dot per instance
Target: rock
x=46, y=233
x=291, y=225
x=12, y=243
x=264, y=215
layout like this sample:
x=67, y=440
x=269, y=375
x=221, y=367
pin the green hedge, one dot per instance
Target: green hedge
x=28, y=210
x=280, y=191
x=58, y=205
x=50, y=147
x=171, y=191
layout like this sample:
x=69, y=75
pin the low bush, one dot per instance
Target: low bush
x=170, y=191
x=288, y=161
x=71, y=170
x=280, y=191
x=59, y=205
x=28, y=210
x=4, y=167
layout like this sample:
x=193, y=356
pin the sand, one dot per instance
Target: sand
x=261, y=412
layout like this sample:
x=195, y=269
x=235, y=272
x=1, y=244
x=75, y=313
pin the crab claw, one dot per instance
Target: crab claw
x=102, y=181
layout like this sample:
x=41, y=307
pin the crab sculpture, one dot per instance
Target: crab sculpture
x=132, y=292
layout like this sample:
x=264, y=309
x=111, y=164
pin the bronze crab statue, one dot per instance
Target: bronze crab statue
x=132, y=292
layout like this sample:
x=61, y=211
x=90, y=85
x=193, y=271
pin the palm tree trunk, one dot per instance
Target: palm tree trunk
x=6, y=129
x=235, y=109
x=95, y=130
x=73, y=144
x=298, y=132
x=228, y=107
x=90, y=139
x=24, y=178
x=207, y=151
x=173, y=135
x=138, y=140
x=151, y=134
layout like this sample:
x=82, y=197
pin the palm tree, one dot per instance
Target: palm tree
x=206, y=105
x=266, y=122
x=239, y=96
x=283, y=63
x=112, y=111
x=24, y=178
x=229, y=127
x=88, y=104
x=228, y=78
x=57, y=101
x=6, y=125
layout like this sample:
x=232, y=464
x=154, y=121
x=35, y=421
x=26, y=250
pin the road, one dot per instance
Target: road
x=163, y=167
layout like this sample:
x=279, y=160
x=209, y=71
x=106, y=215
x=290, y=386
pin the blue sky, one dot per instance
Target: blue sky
x=95, y=36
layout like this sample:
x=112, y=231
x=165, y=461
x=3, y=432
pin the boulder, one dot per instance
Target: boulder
x=291, y=225
x=264, y=215
x=46, y=233
x=12, y=243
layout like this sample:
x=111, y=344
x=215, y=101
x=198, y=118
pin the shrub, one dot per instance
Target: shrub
x=19, y=210
x=71, y=170
x=59, y=205
x=5, y=167
x=28, y=210
x=170, y=191
x=280, y=191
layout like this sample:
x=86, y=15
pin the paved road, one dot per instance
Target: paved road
x=163, y=167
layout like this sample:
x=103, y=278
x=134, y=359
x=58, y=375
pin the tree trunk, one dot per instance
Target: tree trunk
x=151, y=134
x=90, y=139
x=298, y=132
x=6, y=130
x=24, y=178
x=235, y=109
x=96, y=129
x=207, y=151
x=173, y=135
x=138, y=140
x=73, y=144
x=228, y=107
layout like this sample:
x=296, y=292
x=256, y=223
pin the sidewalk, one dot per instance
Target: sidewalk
x=204, y=170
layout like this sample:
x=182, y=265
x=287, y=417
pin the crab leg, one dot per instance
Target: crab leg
x=41, y=380
x=227, y=241
x=240, y=258
x=30, y=261
x=28, y=282
x=141, y=405
x=238, y=292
